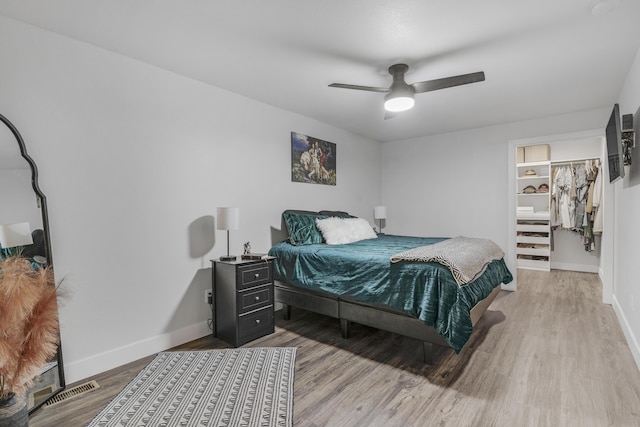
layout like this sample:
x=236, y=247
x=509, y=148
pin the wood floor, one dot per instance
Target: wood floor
x=549, y=354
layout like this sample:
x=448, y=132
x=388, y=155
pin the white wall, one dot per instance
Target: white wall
x=134, y=161
x=626, y=272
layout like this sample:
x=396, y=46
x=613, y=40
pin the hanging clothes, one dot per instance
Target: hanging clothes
x=566, y=209
x=597, y=202
x=555, y=195
x=575, y=199
x=581, y=191
x=588, y=237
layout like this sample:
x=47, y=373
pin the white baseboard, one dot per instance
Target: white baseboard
x=575, y=267
x=93, y=365
x=628, y=333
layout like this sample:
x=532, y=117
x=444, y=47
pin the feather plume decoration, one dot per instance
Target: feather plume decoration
x=29, y=329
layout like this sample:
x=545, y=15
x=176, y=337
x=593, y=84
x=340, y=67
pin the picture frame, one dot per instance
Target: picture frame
x=313, y=160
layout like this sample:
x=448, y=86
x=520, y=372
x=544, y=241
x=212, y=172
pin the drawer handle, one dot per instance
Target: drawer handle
x=257, y=321
x=257, y=275
x=257, y=298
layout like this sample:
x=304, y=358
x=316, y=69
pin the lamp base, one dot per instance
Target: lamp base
x=228, y=258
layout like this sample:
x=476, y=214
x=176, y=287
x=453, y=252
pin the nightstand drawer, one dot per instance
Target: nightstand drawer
x=255, y=298
x=255, y=324
x=253, y=275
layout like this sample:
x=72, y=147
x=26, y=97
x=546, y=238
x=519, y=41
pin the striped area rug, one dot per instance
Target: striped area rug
x=235, y=387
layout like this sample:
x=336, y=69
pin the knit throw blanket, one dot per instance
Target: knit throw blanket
x=466, y=257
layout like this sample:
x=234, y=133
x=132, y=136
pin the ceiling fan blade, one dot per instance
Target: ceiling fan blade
x=389, y=115
x=446, y=82
x=356, y=87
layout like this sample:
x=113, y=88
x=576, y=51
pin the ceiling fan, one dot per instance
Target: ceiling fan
x=399, y=96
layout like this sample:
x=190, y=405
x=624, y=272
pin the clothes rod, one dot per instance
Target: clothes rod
x=570, y=162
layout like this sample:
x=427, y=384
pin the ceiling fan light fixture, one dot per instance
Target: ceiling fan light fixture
x=399, y=96
x=398, y=103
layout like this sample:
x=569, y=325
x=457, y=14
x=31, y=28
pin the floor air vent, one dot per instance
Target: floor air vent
x=72, y=392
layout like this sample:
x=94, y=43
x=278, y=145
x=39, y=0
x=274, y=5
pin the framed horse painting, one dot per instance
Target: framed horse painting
x=312, y=160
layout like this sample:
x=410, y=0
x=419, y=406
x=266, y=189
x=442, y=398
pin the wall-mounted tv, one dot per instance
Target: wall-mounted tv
x=614, y=146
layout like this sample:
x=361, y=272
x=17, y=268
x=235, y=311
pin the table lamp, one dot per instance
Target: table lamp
x=15, y=236
x=228, y=219
x=380, y=213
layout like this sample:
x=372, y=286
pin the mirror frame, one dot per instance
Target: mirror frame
x=42, y=200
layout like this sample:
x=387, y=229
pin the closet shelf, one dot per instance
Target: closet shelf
x=534, y=177
x=534, y=251
x=533, y=228
x=532, y=164
x=534, y=264
x=533, y=240
x=534, y=216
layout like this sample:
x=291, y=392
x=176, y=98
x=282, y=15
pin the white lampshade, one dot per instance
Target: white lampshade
x=380, y=212
x=228, y=219
x=12, y=235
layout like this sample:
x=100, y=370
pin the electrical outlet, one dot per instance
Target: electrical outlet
x=208, y=296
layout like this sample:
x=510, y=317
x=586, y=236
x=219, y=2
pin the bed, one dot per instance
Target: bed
x=364, y=281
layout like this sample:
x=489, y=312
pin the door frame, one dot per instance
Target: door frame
x=607, y=243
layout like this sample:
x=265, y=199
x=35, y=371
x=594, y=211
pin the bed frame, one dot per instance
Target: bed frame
x=348, y=310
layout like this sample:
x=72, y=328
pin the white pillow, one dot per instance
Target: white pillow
x=337, y=231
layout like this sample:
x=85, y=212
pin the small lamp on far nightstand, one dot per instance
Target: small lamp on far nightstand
x=380, y=213
x=228, y=219
x=13, y=237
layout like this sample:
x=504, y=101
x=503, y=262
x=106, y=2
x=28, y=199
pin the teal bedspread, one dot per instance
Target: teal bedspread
x=363, y=271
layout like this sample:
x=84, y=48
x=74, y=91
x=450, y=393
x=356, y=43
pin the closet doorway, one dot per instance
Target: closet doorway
x=555, y=244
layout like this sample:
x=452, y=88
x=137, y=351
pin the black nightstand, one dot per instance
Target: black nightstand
x=243, y=300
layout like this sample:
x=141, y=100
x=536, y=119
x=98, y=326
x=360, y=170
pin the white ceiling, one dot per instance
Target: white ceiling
x=541, y=58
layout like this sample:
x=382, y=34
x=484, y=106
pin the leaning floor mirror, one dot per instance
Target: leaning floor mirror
x=24, y=237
